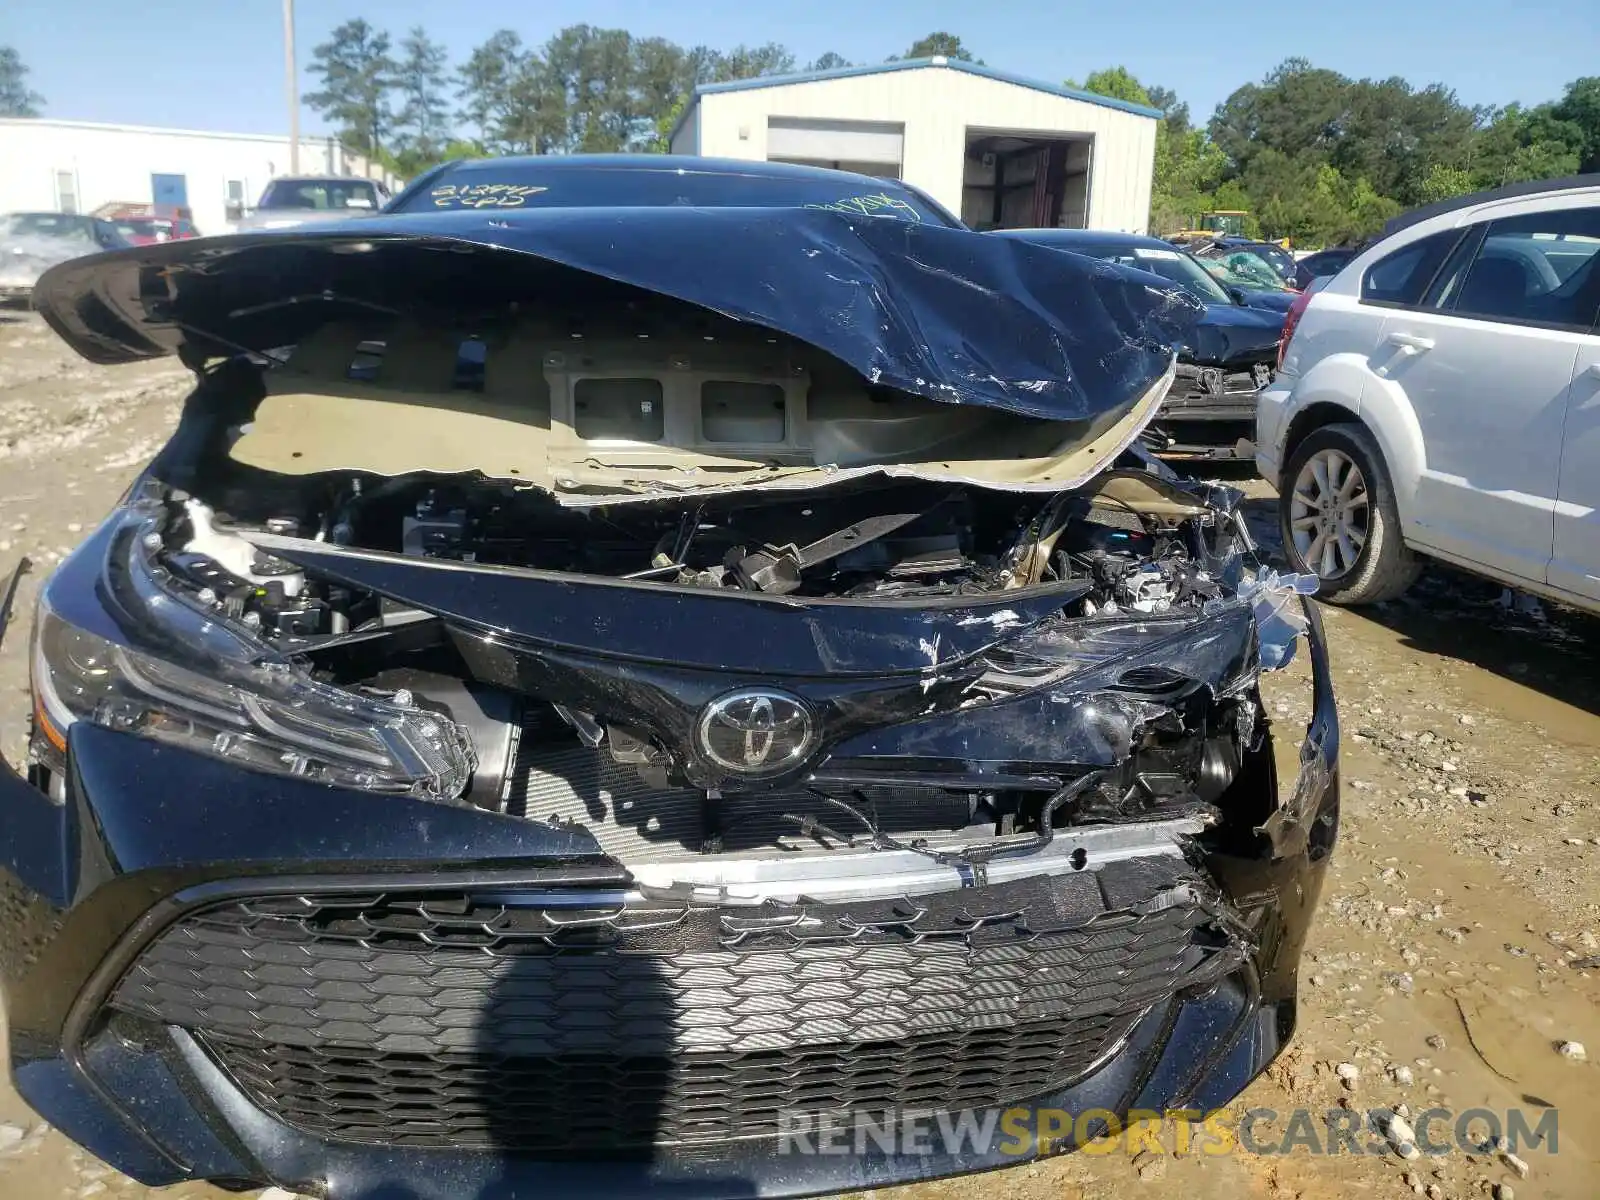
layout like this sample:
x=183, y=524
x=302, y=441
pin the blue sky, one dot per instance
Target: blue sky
x=220, y=66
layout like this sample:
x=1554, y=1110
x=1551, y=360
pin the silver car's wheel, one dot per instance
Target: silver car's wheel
x=1330, y=513
x=1339, y=517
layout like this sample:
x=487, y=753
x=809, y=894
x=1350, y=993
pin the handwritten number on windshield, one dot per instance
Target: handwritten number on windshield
x=880, y=205
x=484, y=195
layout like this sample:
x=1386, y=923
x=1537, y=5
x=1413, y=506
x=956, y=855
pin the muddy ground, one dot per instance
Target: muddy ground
x=1446, y=965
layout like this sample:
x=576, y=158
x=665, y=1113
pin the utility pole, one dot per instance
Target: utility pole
x=293, y=85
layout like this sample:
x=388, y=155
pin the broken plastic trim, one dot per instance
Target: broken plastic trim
x=977, y=859
x=875, y=874
x=1289, y=827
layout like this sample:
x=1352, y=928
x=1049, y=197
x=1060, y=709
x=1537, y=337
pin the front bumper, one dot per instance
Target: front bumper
x=213, y=974
x=1272, y=427
x=1208, y=413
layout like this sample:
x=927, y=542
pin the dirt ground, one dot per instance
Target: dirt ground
x=1449, y=957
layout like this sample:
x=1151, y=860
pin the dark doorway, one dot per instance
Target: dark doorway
x=1018, y=181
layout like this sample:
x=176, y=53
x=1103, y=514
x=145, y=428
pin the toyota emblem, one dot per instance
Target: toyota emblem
x=756, y=731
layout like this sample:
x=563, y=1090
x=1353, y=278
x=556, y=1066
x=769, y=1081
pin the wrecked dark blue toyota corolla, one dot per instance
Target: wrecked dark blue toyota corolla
x=622, y=661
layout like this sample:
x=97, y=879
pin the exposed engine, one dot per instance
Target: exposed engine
x=890, y=540
x=1126, y=562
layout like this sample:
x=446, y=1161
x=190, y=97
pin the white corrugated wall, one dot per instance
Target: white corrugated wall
x=940, y=107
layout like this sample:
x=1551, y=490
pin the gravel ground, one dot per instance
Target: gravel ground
x=1448, y=960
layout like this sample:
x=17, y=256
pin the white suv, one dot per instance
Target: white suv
x=1441, y=396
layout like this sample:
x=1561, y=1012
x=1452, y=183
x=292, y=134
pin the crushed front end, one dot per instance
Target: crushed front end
x=598, y=824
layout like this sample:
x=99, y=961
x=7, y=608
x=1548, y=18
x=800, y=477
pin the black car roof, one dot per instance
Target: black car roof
x=658, y=162
x=1511, y=191
x=1082, y=237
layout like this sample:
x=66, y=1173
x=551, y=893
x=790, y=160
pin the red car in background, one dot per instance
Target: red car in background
x=146, y=231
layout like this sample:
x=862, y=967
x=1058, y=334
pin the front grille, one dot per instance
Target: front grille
x=426, y=1019
x=577, y=1105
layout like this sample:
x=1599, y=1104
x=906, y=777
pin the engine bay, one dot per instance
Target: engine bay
x=889, y=540
x=1126, y=561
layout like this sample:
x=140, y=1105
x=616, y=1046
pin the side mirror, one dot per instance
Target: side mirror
x=1238, y=295
x=235, y=211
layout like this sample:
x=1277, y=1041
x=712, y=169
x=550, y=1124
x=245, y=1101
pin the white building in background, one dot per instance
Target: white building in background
x=77, y=166
x=1003, y=152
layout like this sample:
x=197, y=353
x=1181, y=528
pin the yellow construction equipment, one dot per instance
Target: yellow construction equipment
x=1224, y=222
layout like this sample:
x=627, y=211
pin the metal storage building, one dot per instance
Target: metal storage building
x=1002, y=151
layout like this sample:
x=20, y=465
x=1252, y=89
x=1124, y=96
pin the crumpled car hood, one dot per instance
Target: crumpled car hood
x=943, y=313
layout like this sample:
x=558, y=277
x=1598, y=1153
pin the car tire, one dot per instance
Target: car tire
x=1345, y=531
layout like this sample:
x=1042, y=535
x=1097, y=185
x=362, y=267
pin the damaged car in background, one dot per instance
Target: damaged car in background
x=33, y=242
x=1227, y=358
x=621, y=659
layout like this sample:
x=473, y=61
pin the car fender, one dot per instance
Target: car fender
x=1388, y=414
x=1335, y=380
x=1348, y=381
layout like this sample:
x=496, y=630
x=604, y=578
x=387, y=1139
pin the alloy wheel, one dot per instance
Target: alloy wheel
x=1329, y=513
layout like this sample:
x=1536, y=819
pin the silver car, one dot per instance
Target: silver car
x=33, y=242
x=296, y=199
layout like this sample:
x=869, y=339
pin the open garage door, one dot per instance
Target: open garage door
x=1022, y=181
x=866, y=147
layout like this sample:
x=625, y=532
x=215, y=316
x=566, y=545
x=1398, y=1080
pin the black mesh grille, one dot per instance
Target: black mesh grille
x=585, y=1104
x=478, y=1020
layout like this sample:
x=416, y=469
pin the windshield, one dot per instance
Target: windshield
x=48, y=225
x=1169, y=264
x=1279, y=259
x=132, y=227
x=1243, y=268
x=530, y=185
x=321, y=195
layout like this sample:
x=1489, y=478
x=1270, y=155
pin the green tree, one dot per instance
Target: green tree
x=1298, y=108
x=751, y=62
x=1119, y=84
x=1579, y=107
x=507, y=95
x=1516, y=144
x=358, y=76
x=584, y=74
x=1175, y=112
x=663, y=78
x=16, y=99
x=484, y=85
x=934, y=45
x=423, y=124
x=829, y=62
x=1392, y=135
x=1442, y=182
x=1188, y=171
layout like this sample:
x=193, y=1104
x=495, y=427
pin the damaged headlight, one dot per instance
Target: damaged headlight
x=1219, y=644
x=185, y=678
